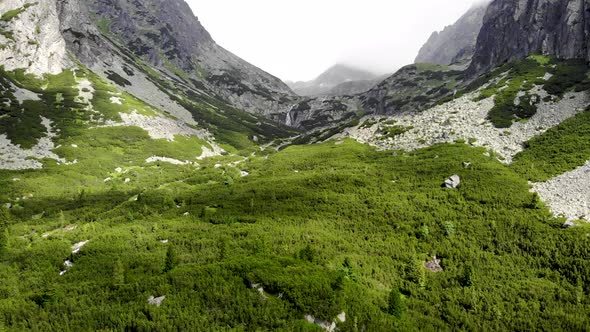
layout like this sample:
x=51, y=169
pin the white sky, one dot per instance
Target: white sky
x=298, y=40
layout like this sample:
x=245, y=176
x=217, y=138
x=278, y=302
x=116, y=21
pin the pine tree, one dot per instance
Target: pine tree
x=171, y=259
x=118, y=274
x=416, y=273
x=3, y=240
x=307, y=254
x=396, y=304
x=467, y=279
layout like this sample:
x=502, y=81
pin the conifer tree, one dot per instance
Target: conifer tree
x=171, y=259
x=396, y=305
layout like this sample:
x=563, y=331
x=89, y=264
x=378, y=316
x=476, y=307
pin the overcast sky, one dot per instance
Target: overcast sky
x=299, y=39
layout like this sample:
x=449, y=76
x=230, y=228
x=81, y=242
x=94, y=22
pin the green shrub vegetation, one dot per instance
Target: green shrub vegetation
x=393, y=131
x=559, y=150
x=320, y=228
x=519, y=77
x=9, y=15
x=567, y=75
x=312, y=230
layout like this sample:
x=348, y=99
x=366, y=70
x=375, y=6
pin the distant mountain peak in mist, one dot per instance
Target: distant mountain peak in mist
x=342, y=78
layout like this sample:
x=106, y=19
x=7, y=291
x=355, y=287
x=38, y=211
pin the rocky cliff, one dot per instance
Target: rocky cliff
x=30, y=37
x=513, y=29
x=456, y=43
x=412, y=88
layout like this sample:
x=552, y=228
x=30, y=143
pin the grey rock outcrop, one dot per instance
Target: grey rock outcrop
x=514, y=29
x=456, y=43
x=31, y=39
x=311, y=113
x=157, y=301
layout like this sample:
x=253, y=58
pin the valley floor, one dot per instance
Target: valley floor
x=318, y=230
x=136, y=221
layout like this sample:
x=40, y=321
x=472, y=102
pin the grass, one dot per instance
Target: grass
x=322, y=228
x=11, y=14
x=104, y=26
x=559, y=150
x=58, y=102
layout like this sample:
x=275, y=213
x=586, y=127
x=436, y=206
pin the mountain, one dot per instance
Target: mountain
x=337, y=80
x=514, y=29
x=138, y=195
x=167, y=35
x=456, y=43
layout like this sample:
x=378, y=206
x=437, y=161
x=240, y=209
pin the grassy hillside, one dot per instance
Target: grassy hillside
x=559, y=150
x=322, y=229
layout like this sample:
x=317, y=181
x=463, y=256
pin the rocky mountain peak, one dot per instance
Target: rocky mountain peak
x=456, y=43
x=161, y=31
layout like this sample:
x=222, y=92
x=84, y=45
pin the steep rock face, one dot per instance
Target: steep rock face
x=167, y=35
x=456, y=43
x=30, y=37
x=82, y=38
x=513, y=29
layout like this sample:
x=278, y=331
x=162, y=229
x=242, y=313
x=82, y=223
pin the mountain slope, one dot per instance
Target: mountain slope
x=165, y=34
x=456, y=43
x=338, y=78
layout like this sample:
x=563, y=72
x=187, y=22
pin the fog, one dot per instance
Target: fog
x=297, y=40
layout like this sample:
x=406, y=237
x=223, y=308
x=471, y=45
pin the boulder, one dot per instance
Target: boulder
x=157, y=301
x=433, y=265
x=76, y=247
x=453, y=182
x=568, y=224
